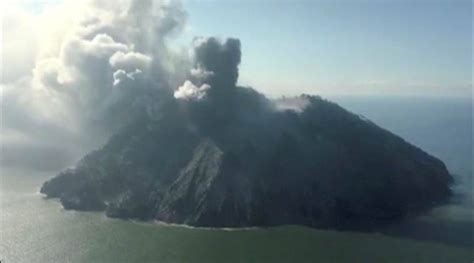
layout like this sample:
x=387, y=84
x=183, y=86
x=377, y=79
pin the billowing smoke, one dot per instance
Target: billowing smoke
x=99, y=64
x=188, y=91
x=215, y=69
x=219, y=63
x=90, y=67
x=211, y=96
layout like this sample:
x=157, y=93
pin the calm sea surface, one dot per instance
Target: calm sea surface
x=34, y=229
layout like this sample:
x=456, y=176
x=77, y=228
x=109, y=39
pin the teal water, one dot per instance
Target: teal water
x=39, y=230
x=34, y=229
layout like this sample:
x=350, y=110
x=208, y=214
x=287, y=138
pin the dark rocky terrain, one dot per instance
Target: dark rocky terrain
x=235, y=158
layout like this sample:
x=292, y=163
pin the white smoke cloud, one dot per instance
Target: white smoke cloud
x=68, y=72
x=121, y=76
x=95, y=64
x=189, y=91
x=297, y=104
x=201, y=74
x=129, y=61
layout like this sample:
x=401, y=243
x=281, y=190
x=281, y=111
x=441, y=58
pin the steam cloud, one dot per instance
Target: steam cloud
x=95, y=64
x=188, y=91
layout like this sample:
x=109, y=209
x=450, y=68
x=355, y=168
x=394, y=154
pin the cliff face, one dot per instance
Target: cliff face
x=321, y=166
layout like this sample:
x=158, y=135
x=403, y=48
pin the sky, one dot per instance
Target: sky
x=346, y=47
x=351, y=47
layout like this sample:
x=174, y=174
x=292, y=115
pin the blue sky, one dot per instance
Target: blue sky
x=345, y=47
x=351, y=47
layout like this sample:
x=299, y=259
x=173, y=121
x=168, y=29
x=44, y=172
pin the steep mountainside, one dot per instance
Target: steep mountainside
x=216, y=154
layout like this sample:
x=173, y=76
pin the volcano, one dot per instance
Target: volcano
x=213, y=153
